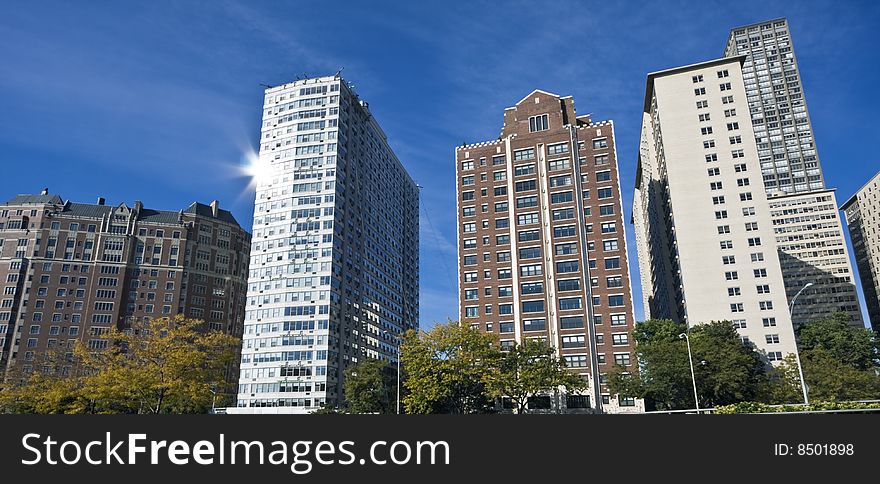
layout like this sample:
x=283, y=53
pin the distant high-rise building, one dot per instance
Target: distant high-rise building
x=542, y=248
x=776, y=103
x=863, y=218
x=806, y=224
x=334, y=275
x=73, y=271
x=701, y=216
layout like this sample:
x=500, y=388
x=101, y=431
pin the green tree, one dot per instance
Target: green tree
x=725, y=369
x=839, y=363
x=370, y=387
x=852, y=346
x=161, y=366
x=664, y=378
x=447, y=369
x=528, y=369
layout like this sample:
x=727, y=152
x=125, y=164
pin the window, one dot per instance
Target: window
x=567, y=266
x=571, y=322
x=558, y=148
x=578, y=341
x=700, y=91
x=506, y=327
x=500, y=207
x=600, y=143
x=539, y=123
x=566, y=231
x=505, y=273
x=769, y=322
x=468, y=211
x=697, y=79
x=469, y=227
x=609, y=227
x=734, y=291
x=560, y=181
x=502, y=240
x=566, y=249
x=774, y=355
x=526, y=219
x=530, y=253
x=525, y=186
x=532, y=288
x=604, y=193
x=521, y=170
x=618, y=320
x=561, y=197
x=621, y=359
x=500, y=191
x=529, y=235
x=736, y=308
x=505, y=291
x=467, y=180
x=563, y=214
x=604, y=175
x=499, y=175
x=609, y=245
x=619, y=339
x=531, y=270
x=763, y=289
x=612, y=263
x=524, y=154
x=569, y=284
x=467, y=165
x=467, y=195
x=615, y=300
x=765, y=305
x=772, y=338
x=568, y=303
x=533, y=306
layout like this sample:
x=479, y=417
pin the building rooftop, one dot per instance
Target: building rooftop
x=100, y=209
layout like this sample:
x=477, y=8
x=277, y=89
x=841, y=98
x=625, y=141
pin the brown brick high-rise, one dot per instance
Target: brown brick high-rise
x=542, y=250
x=71, y=271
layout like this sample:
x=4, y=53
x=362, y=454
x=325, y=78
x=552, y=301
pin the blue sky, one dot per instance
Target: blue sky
x=158, y=101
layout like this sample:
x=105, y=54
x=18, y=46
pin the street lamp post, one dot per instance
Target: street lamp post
x=797, y=355
x=691, y=361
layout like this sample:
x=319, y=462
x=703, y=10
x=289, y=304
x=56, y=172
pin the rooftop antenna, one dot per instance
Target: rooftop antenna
x=339, y=71
x=267, y=86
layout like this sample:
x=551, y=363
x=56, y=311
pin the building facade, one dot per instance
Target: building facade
x=701, y=214
x=73, y=271
x=542, y=250
x=775, y=95
x=863, y=219
x=334, y=273
x=812, y=250
x=812, y=246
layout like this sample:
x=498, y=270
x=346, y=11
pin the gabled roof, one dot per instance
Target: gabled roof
x=159, y=216
x=530, y=95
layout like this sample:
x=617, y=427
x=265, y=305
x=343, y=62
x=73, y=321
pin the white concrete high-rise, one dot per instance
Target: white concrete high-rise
x=703, y=226
x=334, y=273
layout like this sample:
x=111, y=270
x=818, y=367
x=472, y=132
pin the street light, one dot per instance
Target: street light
x=797, y=355
x=691, y=360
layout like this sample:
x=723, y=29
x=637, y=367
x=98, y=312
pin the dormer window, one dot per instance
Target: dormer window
x=539, y=123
